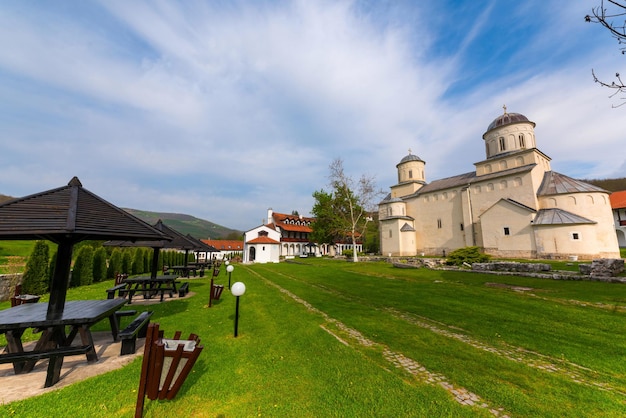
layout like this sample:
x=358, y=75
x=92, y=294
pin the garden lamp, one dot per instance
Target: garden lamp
x=237, y=290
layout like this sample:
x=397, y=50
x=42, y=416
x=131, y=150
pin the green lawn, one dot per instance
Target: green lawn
x=336, y=339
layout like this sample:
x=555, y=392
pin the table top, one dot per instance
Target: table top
x=76, y=312
x=148, y=279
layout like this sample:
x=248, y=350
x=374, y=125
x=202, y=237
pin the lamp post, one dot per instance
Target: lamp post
x=229, y=269
x=237, y=290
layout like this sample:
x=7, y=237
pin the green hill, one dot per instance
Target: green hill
x=187, y=224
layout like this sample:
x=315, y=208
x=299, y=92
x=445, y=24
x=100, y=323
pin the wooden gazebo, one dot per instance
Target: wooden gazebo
x=65, y=216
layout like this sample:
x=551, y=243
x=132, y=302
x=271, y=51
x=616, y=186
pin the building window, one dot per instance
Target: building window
x=390, y=233
x=439, y=223
x=410, y=174
x=502, y=144
x=462, y=227
x=507, y=231
x=575, y=236
x=522, y=142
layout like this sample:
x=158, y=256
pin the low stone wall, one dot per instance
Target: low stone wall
x=7, y=285
x=511, y=266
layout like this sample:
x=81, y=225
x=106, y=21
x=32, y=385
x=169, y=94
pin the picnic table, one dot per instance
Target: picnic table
x=184, y=271
x=77, y=318
x=150, y=286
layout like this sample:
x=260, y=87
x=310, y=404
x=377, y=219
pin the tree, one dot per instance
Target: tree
x=115, y=263
x=605, y=16
x=82, y=273
x=99, y=264
x=344, y=211
x=35, y=279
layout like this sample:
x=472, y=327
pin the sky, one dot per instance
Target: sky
x=223, y=109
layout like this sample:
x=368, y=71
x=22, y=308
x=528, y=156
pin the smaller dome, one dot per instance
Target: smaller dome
x=410, y=157
x=507, y=119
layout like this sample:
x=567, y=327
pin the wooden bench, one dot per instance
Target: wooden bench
x=183, y=290
x=55, y=355
x=120, y=288
x=135, y=329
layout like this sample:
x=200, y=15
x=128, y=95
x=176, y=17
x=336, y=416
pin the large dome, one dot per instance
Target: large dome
x=507, y=119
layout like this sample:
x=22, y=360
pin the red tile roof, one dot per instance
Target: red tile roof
x=618, y=199
x=283, y=221
x=263, y=240
x=225, y=244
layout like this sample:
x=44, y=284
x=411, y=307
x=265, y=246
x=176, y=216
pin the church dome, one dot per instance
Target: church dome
x=507, y=119
x=410, y=157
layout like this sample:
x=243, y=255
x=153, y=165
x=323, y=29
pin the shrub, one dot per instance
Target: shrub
x=99, y=264
x=467, y=255
x=82, y=273
x=35, y=279
x=115, y=263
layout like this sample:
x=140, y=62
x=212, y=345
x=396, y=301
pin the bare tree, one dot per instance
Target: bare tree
x=606, y=17
x=355, y=200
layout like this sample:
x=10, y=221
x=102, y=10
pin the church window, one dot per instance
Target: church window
x=439, y=223
x=522, y=142
x=410, y=174
x=390, y=233
x=575, y=236
x=507, y=231
x=503, y=165
x=462, y=227
x=502, y=143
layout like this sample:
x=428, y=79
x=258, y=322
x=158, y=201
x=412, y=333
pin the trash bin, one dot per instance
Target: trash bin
x=217, y=291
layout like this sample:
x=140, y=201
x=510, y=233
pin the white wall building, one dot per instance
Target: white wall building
x=512, y=205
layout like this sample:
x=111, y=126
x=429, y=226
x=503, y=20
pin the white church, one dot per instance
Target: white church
x=513, y=205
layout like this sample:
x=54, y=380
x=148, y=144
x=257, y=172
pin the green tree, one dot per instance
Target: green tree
x=345, y=210
x=115, y=263
x=35, y=279
x=82, y=273
x=127, y=261
x=99, y=264
x=137, y=266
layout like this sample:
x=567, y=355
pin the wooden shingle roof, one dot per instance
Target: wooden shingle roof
x=70, y=213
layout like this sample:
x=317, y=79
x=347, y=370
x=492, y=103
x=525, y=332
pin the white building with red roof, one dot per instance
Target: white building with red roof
x=618, y=204
x=290, y=234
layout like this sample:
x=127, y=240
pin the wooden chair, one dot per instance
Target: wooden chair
x=14, y=300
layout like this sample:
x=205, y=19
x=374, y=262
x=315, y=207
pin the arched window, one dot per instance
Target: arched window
x=522, y=141
x=502, y=144
x=410, y=174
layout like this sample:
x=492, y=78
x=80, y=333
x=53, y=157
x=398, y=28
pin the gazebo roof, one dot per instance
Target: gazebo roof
x=70, y=213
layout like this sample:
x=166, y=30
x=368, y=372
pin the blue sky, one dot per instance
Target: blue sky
x=223, y=109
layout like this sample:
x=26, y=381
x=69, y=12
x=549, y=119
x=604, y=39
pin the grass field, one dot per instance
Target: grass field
x=325, y=338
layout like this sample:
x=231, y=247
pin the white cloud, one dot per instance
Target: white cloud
x=221, y=111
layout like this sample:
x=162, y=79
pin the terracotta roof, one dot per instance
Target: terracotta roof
x=263, y=240
x=224, y=244
x=556, y=183
x=70, y=211
x=618, y=199
x=283, y=221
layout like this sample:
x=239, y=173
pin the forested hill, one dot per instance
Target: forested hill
x=187, y=224
x=612, y=185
